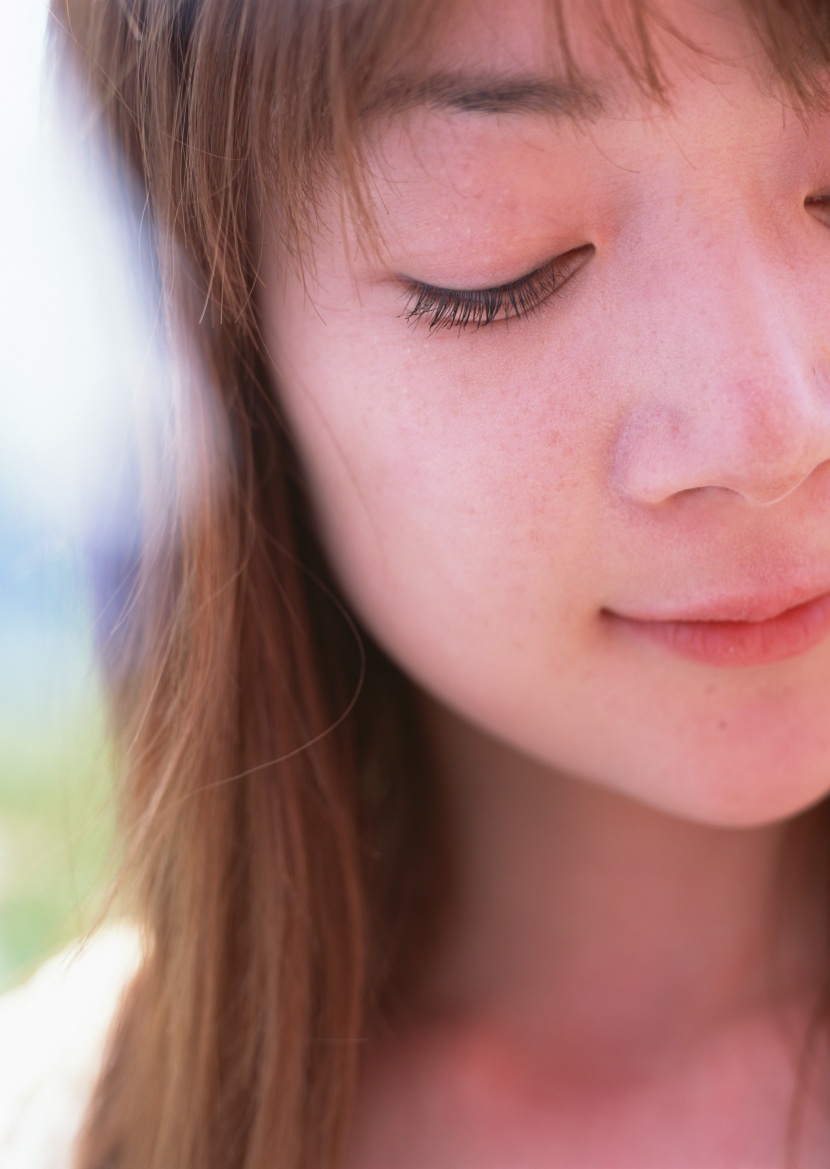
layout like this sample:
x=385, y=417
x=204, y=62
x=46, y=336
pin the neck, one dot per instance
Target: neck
x=579, y=913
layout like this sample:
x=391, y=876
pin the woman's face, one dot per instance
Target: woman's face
x=547, y=519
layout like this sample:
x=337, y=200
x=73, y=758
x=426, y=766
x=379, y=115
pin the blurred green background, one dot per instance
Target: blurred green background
x=55, y=814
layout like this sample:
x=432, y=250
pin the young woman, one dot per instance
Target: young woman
x=473, y=694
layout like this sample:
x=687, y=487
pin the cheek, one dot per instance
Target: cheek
x=457, y=491
x=464, y=490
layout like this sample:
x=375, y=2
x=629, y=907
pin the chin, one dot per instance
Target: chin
x=733, y=789
x=744, y=761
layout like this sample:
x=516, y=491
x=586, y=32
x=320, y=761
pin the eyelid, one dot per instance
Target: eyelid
x=478, y=307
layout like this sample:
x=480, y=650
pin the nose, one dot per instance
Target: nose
x=737, y=395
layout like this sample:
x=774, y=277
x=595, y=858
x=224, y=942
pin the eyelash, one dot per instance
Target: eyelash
x=463, y=308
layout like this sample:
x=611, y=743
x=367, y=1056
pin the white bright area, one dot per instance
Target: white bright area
x=76, y=350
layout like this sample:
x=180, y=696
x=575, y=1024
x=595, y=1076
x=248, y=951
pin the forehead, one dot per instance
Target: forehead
x=567, y=59
x=493, y=123
x=495, y=79
x=498, y=70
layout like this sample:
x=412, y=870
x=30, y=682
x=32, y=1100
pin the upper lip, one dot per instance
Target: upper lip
x=755, y=607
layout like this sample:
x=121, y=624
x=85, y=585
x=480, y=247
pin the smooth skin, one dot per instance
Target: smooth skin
x=627, y=978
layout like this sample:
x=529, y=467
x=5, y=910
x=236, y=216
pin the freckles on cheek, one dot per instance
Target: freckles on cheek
x=442, y=459
x=485, y=456
x=479, y=521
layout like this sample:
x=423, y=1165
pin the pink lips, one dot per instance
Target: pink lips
x=719, y=642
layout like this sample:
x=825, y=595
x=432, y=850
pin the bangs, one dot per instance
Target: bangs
x=334, y=70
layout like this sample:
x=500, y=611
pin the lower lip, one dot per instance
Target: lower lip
x=739, y=643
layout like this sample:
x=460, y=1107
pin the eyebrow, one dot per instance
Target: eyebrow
x=488, y=94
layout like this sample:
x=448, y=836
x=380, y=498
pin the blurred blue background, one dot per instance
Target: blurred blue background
x=55, y=820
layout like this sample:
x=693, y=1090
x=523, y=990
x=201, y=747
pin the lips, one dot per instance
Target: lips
x=731, y=634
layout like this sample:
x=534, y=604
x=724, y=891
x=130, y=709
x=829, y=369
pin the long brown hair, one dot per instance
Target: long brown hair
x=282, y=841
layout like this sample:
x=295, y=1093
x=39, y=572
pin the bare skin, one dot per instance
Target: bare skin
x=617, y=988
x=627, y=979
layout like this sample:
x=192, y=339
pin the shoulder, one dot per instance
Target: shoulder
x=52, y=1035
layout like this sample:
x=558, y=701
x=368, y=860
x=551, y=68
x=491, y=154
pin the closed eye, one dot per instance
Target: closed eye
x=463, y=308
